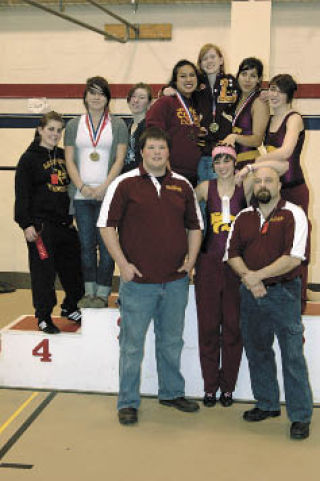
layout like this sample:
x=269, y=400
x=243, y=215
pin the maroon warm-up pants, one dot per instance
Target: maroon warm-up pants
x=218, y=305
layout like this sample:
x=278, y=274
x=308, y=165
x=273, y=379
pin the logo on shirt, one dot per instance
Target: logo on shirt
x=218, y=225
x=277, y=218
x=174, y=187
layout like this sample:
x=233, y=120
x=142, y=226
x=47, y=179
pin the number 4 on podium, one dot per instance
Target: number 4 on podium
x=42, y=350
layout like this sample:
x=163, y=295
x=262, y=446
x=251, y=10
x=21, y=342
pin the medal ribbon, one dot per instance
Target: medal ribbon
x=242, y=107
x=96, y=134
x=226, y=209
x=185, y=107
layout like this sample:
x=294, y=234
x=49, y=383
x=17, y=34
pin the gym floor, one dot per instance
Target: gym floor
x=47, y=436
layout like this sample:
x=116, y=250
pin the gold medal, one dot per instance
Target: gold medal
x=94, y=156
x=214, y=127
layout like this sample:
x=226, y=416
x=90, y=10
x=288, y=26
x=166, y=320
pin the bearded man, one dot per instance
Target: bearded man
x=265, y=247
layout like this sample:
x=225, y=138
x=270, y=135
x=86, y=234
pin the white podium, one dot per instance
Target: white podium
x=87, y=360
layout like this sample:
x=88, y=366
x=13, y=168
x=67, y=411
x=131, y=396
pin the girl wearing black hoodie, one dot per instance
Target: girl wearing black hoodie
x=42, y=211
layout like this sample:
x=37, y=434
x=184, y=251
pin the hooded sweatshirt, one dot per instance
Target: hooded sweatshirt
x=41, y=184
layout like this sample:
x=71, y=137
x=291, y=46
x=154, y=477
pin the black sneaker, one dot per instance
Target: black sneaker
x=47, y=326
x=226, y=399
x=256, y=414
x=299, y=430
x=181, y=403
x=209, y=400
x=72, y=315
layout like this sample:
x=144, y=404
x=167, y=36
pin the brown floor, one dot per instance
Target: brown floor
x=76, y=437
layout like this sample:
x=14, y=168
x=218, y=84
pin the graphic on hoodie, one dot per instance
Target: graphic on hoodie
x=59, y=179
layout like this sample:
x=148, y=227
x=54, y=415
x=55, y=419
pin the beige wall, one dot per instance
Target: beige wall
x=38, y=48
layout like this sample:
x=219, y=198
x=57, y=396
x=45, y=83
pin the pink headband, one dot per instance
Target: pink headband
x=224, y=149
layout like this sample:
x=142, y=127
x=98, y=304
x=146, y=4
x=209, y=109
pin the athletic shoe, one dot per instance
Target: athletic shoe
x=226, y=399
x=47, y=326
x=99, y=302
x=209, y=400
x=85, y=302
x=74, y=315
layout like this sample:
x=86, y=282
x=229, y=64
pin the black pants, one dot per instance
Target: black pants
x=63, y=247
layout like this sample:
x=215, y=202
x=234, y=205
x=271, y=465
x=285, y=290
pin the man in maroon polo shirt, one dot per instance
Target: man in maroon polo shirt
x=265, y=248
x=151, y=224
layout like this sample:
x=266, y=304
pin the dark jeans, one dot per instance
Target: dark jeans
x=278, y=313
x=139, y=304
x=63, y=247
x=95, y=269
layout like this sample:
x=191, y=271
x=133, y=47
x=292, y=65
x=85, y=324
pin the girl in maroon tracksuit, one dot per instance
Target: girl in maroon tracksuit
x=216, y=286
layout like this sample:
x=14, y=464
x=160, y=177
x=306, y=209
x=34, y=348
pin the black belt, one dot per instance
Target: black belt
x=285, y=281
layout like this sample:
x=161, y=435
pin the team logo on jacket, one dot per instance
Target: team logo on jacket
x=227, y=95
x=184, y=119
x=218, y=225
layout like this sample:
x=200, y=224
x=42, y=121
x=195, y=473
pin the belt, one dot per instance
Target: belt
x=285, y=281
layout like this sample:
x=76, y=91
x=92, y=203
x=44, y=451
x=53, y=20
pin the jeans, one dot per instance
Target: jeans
x=139, y=304
x=278, y=313
x=205, y=169
x=101, y=272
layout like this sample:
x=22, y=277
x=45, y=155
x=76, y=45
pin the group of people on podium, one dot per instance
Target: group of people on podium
x=142, y=193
